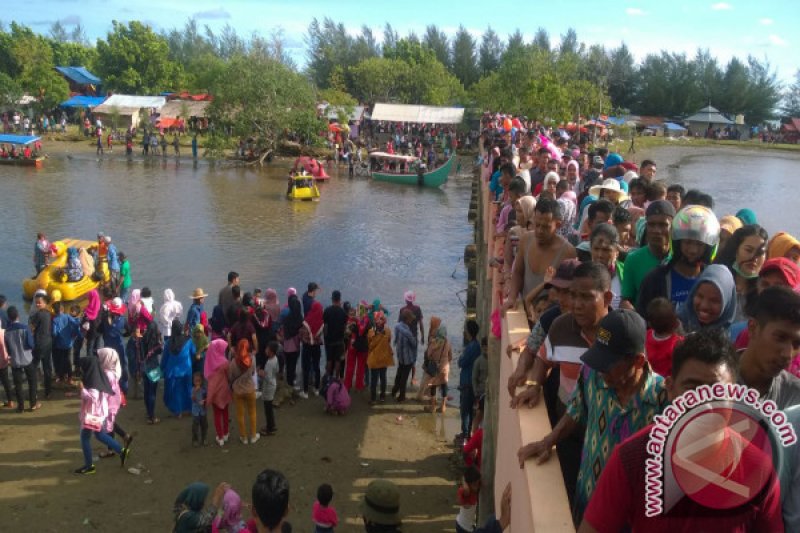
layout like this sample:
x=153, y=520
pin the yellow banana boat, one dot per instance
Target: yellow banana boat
x=53, y=278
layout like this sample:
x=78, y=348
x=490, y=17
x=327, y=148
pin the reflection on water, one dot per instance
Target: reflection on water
x=766, y=182
x=184, y=225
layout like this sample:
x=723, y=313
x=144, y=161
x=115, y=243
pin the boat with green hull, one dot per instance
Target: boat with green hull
x=433, y=178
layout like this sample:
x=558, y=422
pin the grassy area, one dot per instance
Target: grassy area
x=647, y=143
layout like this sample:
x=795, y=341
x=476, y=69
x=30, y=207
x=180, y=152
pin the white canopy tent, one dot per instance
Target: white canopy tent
x=421, y=114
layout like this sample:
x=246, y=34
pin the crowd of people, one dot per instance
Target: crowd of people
x=216, y=363
x=636, y=291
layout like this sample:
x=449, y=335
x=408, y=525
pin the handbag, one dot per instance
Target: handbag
x=93, y=422
x=430, y=367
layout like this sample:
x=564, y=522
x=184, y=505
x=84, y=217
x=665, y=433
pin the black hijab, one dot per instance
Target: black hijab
x=151, y=339
x=177, y=339
x=93, y=376
x=294, y=321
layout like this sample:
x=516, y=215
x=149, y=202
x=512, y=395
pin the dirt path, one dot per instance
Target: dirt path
x=39, y=450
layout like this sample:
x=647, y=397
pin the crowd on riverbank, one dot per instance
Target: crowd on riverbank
x=636, y=292
x=215, y=362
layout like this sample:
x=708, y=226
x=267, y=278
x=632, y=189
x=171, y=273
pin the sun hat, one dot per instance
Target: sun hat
x=381, y=503
x=609, y=184
x=198, y=293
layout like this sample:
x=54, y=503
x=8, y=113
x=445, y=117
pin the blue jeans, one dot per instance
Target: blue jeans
x=466, y=408
x=86, y=437
x=150, y=390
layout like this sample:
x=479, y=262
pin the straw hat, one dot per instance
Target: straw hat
x=381, y=504
x=198, y=293
x=609, y=184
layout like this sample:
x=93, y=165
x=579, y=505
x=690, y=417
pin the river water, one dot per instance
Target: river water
x=185, y=225
x=765, y=181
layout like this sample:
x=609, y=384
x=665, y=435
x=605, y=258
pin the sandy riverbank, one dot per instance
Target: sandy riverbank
x=399, y=442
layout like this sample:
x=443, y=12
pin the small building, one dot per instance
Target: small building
x=790, y=130
x=710, y=119
x=674, y=130
x=80, y=80
x=124, y=109
x=179, y=114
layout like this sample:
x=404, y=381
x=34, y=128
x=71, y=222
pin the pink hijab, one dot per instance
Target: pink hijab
x=93, y=307
x=232, y=509
x=271, y=304
x=215, y=357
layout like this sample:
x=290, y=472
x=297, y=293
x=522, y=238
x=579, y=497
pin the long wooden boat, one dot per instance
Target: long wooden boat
x=21, y=140
x=433, y=178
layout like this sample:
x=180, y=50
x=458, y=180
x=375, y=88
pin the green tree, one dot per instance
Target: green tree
x=390, y=38
x=259, y=96
x=491, y=51
x=541, y=39
x=37, y=75
x=10, y=91
x=516, y=44
x=134, y=59
x=329, y=45
x=791, y=98
x=437, y=41
x=464, y=66
x=379, y=79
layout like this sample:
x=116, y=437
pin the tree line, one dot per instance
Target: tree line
x=259, y=88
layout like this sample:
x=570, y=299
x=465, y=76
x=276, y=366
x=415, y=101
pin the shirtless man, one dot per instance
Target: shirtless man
x=538, y=250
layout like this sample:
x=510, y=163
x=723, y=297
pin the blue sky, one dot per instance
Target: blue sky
x=765, y=29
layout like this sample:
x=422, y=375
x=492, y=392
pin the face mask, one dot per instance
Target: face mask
x=745, y=276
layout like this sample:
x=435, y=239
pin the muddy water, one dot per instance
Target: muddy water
x=185, y=225
x=765, y=181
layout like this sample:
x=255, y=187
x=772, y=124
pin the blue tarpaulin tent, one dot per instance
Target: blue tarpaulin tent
x=18, y=139
x=83, y=101
x=79, y=75
x=673, y=126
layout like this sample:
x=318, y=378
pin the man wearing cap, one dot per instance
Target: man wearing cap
x=616, y=395
x=539, y=250
x=618, y=502
x=380, y=508
x=639, y=263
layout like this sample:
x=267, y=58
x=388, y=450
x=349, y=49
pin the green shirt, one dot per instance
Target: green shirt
x=125, y=274
x=638, y=265
x=608, y=423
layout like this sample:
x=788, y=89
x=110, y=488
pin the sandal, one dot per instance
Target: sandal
x=153, y=421
x=37, y=406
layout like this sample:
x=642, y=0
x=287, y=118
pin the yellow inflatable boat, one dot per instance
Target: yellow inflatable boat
x=302, y=187
x=53, y=278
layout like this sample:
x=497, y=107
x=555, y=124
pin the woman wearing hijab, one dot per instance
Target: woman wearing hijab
x=711, y=302
x=95, y=390
x=240, y=375
x=200, y=342
x=380, y=356
x=292, y=321
x=191, y=515
x=91, y=321
x=747, y=216
x=138, y=320
x=109, y=361
x=149, y=358
x=438, y=353
x=176, y=365
x=215, y=370
x=273, y=307
x=170, y=310
x=784, y=245
x=311, y=336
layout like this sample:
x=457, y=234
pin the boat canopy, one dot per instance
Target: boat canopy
x=18, y=139
x=393, y=157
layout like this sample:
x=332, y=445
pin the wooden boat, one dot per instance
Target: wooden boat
x=302, y=187
x=53, y=279
x=422, y=177
x=36, y=161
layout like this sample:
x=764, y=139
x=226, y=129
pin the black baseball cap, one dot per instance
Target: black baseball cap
x=564, y=274
x=621, y=334
x=660, y=207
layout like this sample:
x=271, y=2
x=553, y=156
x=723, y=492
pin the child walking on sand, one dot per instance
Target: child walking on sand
x=109, y=361
x=338, y=399
x=218, y=394
x=199, y=419
x=269, y=375
x=323, y=514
